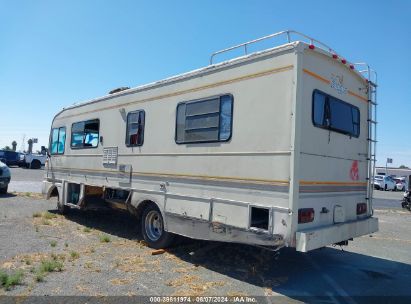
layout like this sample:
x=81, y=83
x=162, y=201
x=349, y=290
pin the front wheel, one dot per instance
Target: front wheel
x=152, y=227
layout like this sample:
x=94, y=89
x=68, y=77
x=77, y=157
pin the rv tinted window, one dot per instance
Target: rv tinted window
x=207, y=120
x=135, y=128
x=85, y=134
x=58, y=140
x=334, y=114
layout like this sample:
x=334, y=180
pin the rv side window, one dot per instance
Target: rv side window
x=335, y=114
x=58, y=140
x=207, y=120
x=135, y=128
x=85, y=134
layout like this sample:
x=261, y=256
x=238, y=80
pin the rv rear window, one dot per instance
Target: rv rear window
x=135, y=128
x=334, y=114
x=206, y=120
x=85, y=134
x=58, y=140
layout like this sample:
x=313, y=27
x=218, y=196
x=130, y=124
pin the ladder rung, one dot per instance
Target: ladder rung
x=372, y=102
x=372, y=121
x=371, y=140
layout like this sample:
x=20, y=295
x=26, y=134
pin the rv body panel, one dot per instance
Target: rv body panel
x=333, y=164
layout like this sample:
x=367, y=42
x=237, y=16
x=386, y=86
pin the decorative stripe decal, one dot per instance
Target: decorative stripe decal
x=332, y=183
x=317, y=76
x=325, y=80
x=186, y=176
x=358, y=96
x=331, y=186
x=200, y=88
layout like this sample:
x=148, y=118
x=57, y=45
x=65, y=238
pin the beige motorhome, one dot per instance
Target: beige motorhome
x=274, y=148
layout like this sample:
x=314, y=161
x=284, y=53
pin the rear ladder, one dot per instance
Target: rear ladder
x=372, y=140
x=371, y=77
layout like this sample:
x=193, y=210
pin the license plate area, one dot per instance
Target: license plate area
x=339, y=214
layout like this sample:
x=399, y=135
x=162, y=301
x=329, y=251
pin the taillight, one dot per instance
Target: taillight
x=361, y=208
x=305, y=215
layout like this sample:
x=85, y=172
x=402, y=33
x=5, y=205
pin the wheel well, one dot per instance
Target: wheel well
x=54, y=192
x=35, y=160
x=140, y=208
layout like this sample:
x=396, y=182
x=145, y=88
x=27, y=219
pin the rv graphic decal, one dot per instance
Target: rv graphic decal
x=337, y=84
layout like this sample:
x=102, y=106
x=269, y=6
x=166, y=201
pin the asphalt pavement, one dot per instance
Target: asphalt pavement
x=26, y=180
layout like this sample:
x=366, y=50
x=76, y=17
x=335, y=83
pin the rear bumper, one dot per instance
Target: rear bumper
x=319, y=237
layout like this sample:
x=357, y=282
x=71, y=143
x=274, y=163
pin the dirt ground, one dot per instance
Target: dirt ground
x=101, y=253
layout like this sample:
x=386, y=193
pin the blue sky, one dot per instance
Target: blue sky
x=55, y=53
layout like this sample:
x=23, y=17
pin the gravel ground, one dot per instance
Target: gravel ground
x=378, y=265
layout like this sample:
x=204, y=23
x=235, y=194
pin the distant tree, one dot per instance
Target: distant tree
x=403, y=167
x=7, y=148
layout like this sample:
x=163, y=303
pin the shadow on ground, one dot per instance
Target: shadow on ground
x=319, y=276
x=6, y=195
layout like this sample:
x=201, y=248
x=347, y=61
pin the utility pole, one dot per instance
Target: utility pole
x=23, y=143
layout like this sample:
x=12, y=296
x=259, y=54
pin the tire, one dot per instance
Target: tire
x=4, y=190
x=35, y=164
x=385, y=187
x=395, y=189
x=152, y=228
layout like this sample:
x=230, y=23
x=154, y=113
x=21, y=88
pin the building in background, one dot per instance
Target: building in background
x=393, y=171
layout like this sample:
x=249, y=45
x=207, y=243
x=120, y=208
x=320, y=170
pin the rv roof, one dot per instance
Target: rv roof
x=309, y=42
x=175, y=78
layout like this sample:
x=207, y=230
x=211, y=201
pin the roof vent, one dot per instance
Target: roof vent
x=118, y=90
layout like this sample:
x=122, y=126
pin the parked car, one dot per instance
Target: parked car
x=34, y=161
x=4, y=177
x=11, y=158
x=384, y=182
x=400, y=183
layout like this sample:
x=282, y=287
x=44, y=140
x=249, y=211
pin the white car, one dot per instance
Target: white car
x=384, y=182
x=4, y=177
x=400, y=183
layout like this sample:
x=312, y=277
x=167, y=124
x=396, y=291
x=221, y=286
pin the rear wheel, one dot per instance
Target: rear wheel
x=152, y=227
x=35, y=164
x=385, y=188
